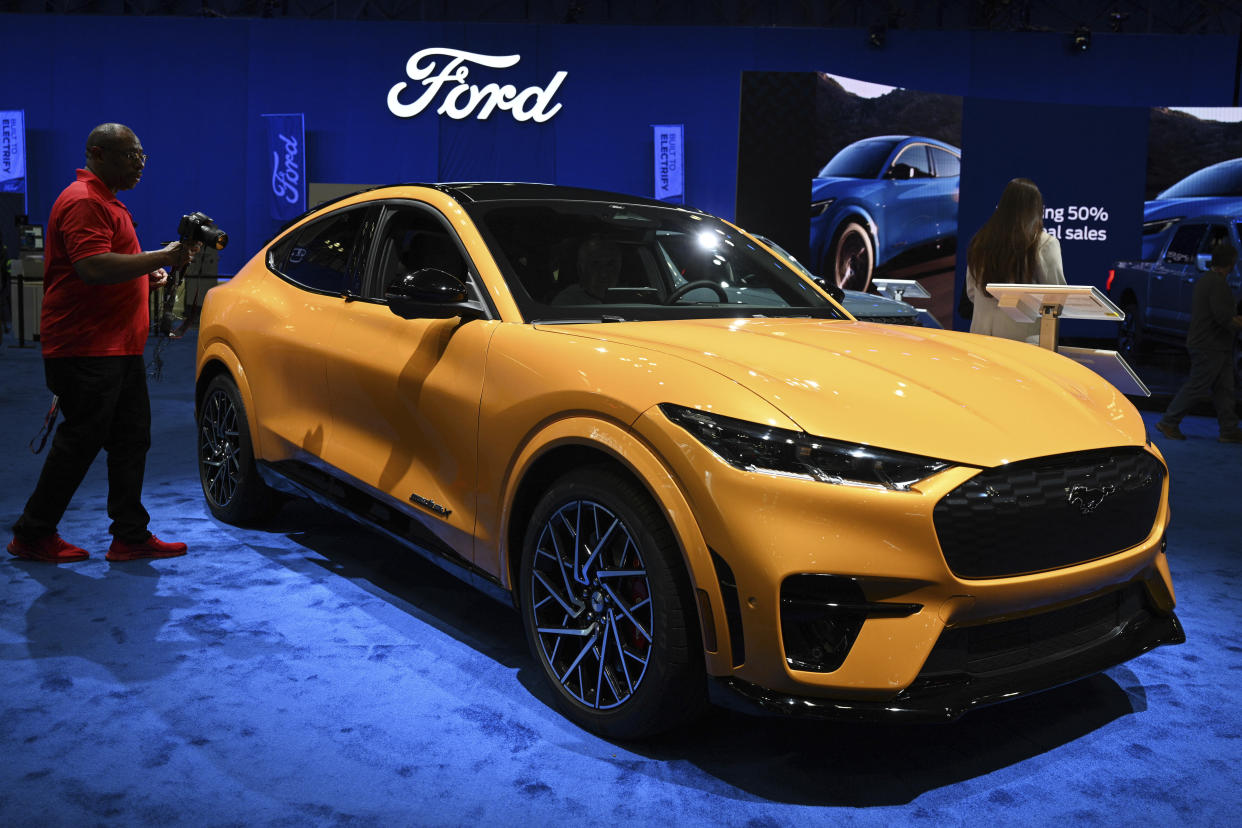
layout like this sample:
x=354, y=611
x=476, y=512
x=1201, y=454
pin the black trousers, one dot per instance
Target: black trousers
x=1211, y=378
x=105, y=406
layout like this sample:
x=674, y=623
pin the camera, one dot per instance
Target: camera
x=198, y=227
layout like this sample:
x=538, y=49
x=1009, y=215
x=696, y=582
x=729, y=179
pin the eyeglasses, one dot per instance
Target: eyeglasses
x=136, y=156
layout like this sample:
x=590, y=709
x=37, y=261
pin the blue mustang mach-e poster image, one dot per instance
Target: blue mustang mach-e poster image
x=1194, y=202
x=884, y=200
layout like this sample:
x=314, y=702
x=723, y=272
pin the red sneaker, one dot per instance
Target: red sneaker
x=49, y=548
x=152, y=547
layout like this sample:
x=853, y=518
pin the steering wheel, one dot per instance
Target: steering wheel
x=701, y=283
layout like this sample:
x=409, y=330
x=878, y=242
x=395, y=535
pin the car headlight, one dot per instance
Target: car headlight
x=818, y=208
x=758, y=448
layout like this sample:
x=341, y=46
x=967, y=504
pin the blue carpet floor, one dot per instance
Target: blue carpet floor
x=313, y=673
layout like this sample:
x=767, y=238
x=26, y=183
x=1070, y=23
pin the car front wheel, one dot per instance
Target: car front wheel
x=607, y=609
x=853, y=257
x=226, y=467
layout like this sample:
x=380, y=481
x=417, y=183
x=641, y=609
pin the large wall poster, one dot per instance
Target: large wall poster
x=1194, y=167
x=1192, y=203
x=885, y=187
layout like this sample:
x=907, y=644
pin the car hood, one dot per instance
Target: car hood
x=862, y=304
x=966, y=398
x=1164, y=208
x=824, y=188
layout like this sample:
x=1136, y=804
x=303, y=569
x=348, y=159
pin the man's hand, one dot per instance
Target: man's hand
x=178, y=255
x=159, y=278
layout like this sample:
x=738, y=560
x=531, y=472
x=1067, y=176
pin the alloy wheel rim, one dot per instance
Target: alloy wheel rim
x=853, y=263
x=219, y=449
x=591, y=601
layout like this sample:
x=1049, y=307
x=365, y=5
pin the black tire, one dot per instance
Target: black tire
x=852, y=262
x=1130, y=334
x=608, y=610
x=226, y=467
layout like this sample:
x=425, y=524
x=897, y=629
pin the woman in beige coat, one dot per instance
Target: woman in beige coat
x=1011, y=247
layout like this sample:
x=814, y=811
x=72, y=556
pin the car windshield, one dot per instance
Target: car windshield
x=1217, y=180
x=582, y=261
x=864, y=159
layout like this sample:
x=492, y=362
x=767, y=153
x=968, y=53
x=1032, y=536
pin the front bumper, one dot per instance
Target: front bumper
x=977, y=666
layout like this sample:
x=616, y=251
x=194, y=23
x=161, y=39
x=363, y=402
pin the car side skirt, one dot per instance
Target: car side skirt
x=377, y=511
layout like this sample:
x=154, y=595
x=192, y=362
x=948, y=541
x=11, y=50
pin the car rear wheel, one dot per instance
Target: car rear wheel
x=853, y=257
x=226, y=467
x=1130, y=334
x=607, y=607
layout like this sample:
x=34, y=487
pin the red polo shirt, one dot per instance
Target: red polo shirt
x=90, y=320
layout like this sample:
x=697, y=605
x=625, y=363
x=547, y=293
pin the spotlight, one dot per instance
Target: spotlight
x=1080, y=40
x=875, y=37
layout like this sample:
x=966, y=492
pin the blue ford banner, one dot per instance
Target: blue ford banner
x=670, y=178
x=286, y=152
x=13, y=152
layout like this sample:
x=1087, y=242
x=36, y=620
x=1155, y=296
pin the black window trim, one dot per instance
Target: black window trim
x=386, y=210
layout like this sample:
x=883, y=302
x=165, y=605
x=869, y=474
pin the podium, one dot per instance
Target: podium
x=901, y=289
x=1049, y=304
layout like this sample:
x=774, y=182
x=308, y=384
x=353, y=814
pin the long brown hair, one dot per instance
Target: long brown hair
x=1007, y=246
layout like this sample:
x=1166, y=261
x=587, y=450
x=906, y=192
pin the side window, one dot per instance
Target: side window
x=410, y=239
x=319, y=256
x=1216, y=233
x=948, y=165
x=1185, y=244
x=912, y=163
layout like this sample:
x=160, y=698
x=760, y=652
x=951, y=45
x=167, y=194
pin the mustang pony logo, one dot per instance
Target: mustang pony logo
x=462, y=98
x=1088, y=498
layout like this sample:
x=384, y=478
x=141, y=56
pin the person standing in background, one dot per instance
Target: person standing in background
x=1214, y=326
x=1011, y=247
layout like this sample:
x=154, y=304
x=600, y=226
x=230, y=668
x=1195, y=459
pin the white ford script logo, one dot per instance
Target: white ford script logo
x=463, y=99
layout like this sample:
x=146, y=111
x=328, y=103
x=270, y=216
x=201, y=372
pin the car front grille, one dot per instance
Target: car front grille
x=1050, y=512
x=1025, y=643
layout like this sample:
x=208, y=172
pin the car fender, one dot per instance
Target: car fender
x=629, y=450
x=849, y=211
x=1128, y=278
x=219, y=351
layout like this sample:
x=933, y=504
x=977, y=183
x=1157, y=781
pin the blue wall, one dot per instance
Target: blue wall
x=194, y=90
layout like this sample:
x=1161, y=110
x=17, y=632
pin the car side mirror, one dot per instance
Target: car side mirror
x=431, y=293
x=831, y=288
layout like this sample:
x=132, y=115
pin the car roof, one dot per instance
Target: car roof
x=485, y=191
x=912, y=139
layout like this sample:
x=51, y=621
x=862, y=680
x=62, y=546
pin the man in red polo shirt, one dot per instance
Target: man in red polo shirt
x=96, y=282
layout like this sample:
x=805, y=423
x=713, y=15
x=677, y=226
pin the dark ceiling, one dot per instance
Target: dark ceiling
x=1126, y=16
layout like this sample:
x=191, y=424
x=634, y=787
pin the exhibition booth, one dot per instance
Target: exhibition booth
x=308, y=669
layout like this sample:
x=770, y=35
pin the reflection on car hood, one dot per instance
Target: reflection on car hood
x=962, y=397
x=862, y=305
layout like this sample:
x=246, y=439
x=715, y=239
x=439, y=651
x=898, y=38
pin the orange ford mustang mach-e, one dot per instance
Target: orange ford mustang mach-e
x=682, y=461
